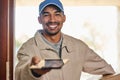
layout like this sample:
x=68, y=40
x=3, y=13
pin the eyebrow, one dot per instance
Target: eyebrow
x=43, y=12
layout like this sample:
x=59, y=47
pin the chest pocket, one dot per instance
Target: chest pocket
x=48, y=54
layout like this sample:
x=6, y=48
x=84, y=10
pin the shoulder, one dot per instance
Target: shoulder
x=32, y=41
x=29, y=42
x=74, y=40
x=27, y=46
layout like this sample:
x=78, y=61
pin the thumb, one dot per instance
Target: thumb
x=35, y=60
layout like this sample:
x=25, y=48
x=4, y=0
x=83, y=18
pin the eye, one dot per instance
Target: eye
x=45, y=14
x=57, y=13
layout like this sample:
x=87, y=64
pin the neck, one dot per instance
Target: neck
x=53, y=38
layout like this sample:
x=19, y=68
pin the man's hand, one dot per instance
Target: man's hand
x=36, y=60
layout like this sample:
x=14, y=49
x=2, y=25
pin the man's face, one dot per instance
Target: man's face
x=52, y=20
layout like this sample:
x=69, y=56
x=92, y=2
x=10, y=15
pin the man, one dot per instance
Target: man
x=51, y=43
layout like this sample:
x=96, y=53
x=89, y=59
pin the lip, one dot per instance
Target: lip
x=52, y=25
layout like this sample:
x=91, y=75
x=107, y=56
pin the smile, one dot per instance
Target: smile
x=52, y=25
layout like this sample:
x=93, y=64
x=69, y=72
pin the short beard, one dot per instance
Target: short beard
x=50, y=33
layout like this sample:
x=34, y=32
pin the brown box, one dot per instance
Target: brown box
x=111, y=77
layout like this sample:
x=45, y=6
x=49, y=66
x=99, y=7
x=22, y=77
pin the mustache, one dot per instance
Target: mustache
x=52, y=23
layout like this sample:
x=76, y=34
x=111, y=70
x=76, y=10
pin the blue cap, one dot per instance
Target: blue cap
x=49, y=2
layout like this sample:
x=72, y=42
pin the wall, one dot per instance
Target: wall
x=72, y=2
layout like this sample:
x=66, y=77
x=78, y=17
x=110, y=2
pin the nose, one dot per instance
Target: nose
x=52, y=18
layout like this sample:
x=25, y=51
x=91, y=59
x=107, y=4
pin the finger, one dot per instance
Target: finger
x=35, y=60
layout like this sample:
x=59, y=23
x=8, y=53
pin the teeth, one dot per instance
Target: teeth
x=53, y=26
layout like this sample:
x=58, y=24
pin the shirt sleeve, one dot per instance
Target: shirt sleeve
x=22, y=70
x=94, y=64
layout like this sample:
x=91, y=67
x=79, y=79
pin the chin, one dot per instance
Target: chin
x=53, y=33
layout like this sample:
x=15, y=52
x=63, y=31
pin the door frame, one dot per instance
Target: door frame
x=6, y=39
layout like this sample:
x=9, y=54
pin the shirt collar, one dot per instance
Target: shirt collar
x=42, y=45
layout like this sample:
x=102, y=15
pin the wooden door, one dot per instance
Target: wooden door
x=6, y=39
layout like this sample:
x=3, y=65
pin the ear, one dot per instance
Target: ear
x=64, y=19
x=39, y=19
